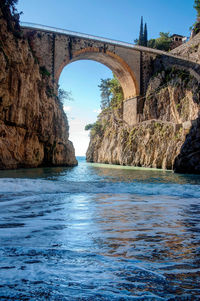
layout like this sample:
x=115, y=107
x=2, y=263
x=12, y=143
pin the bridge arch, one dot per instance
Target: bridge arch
x=114, y=62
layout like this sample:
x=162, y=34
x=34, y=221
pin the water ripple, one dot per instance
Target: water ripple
x=62, y=240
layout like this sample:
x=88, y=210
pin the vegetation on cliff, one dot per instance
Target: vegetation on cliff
x=197, y=7
x=163, y=42
x=111, y=100
x=9, y=6
x=11, y=15
x=196, y=26
x=111, y=93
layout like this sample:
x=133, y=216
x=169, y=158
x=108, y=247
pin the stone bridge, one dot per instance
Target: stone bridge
x=133, y=65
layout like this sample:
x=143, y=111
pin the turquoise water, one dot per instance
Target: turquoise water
x=99, y=232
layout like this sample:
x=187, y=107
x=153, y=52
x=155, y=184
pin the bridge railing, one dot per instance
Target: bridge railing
x=74, y=34
x=89, y=37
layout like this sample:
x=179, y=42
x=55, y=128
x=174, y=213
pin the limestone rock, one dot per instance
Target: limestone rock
x=33, y=125
x=188, y=161
x=171, y=106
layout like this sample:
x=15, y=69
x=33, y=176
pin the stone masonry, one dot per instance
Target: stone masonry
x=132, y=65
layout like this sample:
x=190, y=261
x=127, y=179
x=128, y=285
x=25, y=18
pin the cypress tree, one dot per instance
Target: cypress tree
x=141, y=35
x=145, y=35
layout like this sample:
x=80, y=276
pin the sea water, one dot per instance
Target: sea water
x=99, y=232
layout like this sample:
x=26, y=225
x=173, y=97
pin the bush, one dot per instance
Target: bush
x=64, y=95
x=11, y=15
x=44, y=71
x=89, y=126
x=111, y=92
x=161, y=43
x=96, y=129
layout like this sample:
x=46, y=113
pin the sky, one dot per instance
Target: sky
x=114, y=19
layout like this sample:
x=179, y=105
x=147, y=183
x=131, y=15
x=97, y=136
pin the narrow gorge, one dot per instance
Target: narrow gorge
x=34, y=129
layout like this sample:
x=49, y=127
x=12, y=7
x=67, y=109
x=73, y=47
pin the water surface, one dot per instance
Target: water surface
x=96, y=232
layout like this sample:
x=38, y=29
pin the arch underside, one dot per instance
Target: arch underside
x=121, y=70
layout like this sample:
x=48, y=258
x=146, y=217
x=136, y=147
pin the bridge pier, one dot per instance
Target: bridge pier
x=130, y=111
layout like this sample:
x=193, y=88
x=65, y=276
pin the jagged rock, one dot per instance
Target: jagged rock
x=149, y=144
x=158, y=140
x=33, y=125
x=188, y=161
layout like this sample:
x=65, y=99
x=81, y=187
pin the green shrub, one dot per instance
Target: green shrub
x=44, y=72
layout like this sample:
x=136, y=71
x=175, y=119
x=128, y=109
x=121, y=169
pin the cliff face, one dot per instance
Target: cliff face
x=158, y=140
x=33, y=125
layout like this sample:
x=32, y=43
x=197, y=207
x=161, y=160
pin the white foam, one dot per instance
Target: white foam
x=18, y=186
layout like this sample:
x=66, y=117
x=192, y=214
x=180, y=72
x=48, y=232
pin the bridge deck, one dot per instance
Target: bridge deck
x=96, y=38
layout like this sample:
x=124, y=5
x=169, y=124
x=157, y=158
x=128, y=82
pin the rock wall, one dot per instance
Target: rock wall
x=171, y=106
x=33, y=125
x=188, y=160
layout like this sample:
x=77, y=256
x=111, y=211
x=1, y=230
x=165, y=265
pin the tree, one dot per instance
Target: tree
x=105, y=93
x=145, y=39
x=89, y=126
x=142, y=41
x=152, y=43
x=196, y=26
x=64, y=95
x=95, y=128
x=9, y=4
x=141, y=35
x=112, y=97
x=197, y=7
x=116, y=91
x=162, y=43
x=111, y=92
x=11, y=15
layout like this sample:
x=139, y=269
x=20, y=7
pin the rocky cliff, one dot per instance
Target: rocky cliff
x=33, y=125
x=168, y=136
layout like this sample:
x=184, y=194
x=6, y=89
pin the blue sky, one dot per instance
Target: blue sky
x=115, y=19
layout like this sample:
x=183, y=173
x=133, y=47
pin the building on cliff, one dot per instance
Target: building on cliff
x=177, y=40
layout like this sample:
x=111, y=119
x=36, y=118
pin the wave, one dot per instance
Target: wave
x=38, y=186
